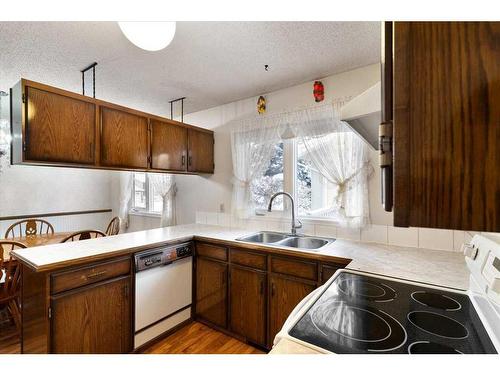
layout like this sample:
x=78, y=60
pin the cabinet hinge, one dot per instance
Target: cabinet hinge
x=24, y=146
x=24, y=98
x=50, y=313
x=385, y=143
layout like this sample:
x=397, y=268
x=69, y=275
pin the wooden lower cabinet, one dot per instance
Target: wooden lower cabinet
x=93, y=319
x=211, y=291
x=247, y=296
x=285, y=294
x=262, y=291
x=84, y=309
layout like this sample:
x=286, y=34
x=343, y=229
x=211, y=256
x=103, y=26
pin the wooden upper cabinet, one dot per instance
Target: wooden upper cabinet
x=200, y=151
x=247, y=296
x=95, y=319
x=55, y=127
x=446, y=125
x=168, y=146
x=58, y=128
x=124, y=139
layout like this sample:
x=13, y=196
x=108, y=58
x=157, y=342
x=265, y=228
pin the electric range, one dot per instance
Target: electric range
x=357, y=312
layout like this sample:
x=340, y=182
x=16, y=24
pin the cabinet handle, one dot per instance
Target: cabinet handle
x=95, y=274
x=272, y=289
x=190, y=160
x=183, y=160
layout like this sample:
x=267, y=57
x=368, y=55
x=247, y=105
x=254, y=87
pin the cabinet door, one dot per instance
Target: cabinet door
x=446, y=125
x=58, y=128
x=248, y=304
x=211, y=291
x=94, y=319
x=200, y=151
x=168, y=146
x=124, y=139
x=285, y=295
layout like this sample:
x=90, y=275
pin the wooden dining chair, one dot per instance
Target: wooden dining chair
x=29, y=227
x=10, y=275
x=83, y=235
x=113, y=226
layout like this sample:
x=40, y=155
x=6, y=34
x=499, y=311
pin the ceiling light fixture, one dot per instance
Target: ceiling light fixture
x=150, y=36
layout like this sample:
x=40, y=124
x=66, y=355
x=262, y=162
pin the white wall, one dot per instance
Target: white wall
x=207, y=193
x=199, y=198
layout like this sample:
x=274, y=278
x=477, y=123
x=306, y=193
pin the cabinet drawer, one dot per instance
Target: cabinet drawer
x=67, y=280
x=295, y=267
x=211, y=251
x=248, y=259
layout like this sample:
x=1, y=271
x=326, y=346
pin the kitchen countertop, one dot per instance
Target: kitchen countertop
x=436, y=267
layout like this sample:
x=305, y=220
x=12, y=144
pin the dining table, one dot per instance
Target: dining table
x=37, y=240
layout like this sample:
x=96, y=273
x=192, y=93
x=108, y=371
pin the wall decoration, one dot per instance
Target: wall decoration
x=261, y=105
x=318, y=91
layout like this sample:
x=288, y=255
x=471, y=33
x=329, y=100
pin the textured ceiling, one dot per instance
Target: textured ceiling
x=211, y=63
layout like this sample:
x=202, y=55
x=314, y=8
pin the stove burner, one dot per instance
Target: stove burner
x=353, y=286
x=438, y=324
x=350, y=321
x=358, y=327
x=439, y=301
x=426, y=347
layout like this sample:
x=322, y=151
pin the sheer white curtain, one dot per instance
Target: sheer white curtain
x=341, y=156
x=165, y=186
x=252, y=144
x=126, y=187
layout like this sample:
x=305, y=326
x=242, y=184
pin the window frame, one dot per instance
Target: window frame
x=148, y=188
x=290, y=154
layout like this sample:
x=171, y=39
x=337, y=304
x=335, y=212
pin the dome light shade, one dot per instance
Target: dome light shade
x=150, y=36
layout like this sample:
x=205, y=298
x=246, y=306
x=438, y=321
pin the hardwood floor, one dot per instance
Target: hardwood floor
x=9, y=339
x=197, y=338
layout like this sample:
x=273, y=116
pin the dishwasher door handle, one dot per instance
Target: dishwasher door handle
x=167, y=264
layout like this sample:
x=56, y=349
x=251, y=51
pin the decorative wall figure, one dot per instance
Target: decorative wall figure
x=261, y=105
x=318, y=91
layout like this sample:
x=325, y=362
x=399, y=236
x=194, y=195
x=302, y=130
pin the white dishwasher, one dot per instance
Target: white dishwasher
x=163, y=290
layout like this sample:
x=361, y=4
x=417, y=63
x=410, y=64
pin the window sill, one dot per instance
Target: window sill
x=145, y=214
x=282, y=216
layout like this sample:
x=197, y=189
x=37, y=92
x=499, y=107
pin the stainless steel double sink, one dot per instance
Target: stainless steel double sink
x=287, y=240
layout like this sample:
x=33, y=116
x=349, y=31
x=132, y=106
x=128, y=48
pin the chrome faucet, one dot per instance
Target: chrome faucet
x=295, y=225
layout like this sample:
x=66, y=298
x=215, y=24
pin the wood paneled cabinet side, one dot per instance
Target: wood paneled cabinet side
x=446, y=125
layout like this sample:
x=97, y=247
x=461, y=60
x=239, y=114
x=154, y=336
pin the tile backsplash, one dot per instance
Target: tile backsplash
x=426, y=238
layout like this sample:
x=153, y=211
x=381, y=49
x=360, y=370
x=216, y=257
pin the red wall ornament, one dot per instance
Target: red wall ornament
x=318, y=91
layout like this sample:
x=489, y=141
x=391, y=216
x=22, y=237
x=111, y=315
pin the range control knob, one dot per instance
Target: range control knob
x=470, y=251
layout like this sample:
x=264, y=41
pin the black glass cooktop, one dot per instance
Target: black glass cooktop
x=361, y=314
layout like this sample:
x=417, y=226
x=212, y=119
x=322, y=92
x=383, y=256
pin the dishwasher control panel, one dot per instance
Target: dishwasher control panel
x=162, y=256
